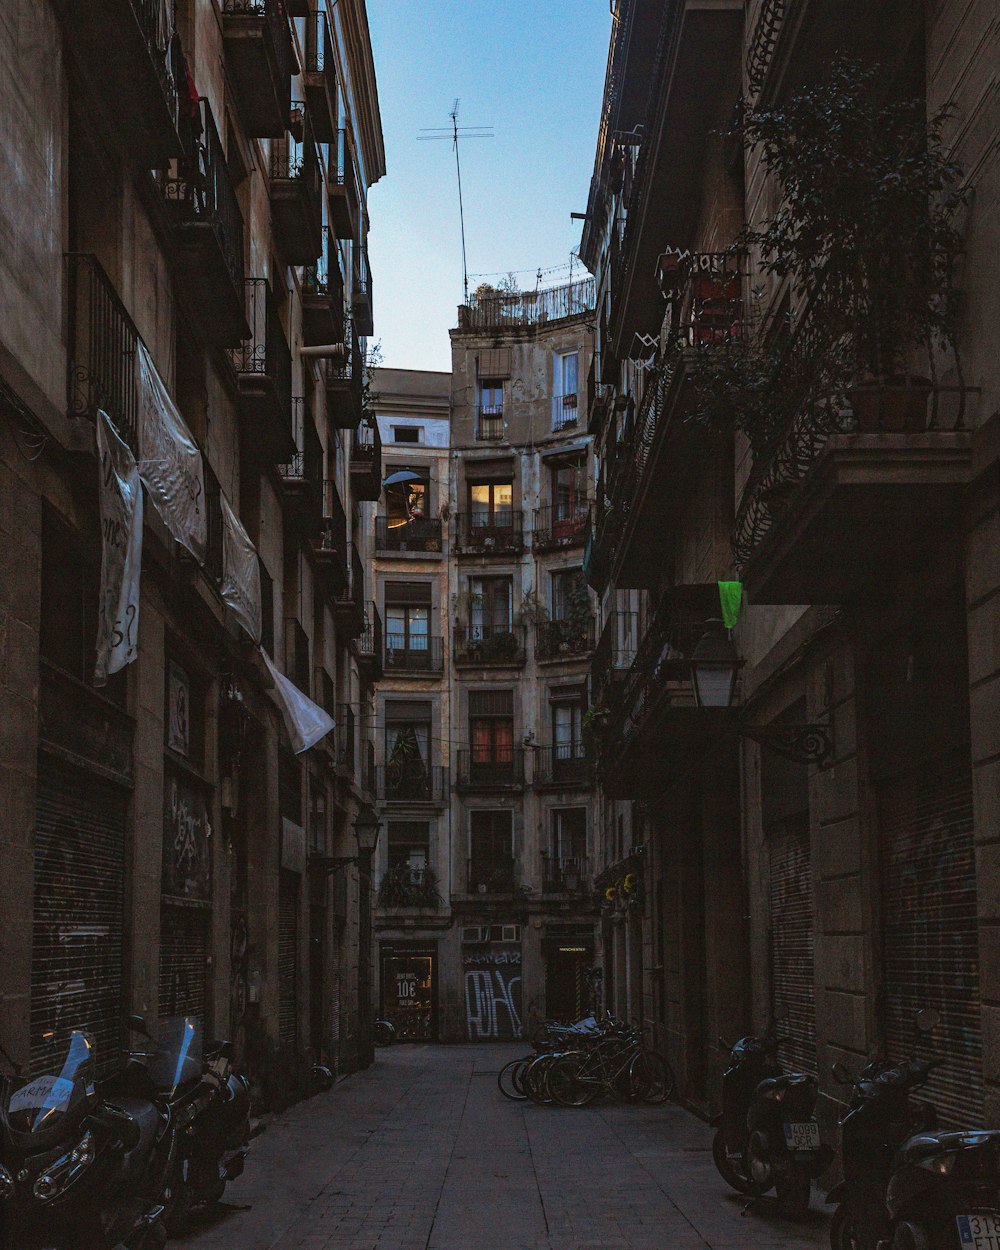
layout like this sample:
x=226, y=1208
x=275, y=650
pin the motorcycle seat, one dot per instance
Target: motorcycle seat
x=923, y=1145
x=145, y=1117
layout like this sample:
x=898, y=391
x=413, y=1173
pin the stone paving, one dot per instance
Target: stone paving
x=421, y=1152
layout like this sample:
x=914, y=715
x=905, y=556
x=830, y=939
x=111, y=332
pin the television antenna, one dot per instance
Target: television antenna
x=455, y=132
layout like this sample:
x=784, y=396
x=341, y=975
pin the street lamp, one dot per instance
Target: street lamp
x=714, y=666
x=366, y=826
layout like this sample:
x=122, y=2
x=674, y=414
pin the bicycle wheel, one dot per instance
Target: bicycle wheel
x=534, y=1080
x=565, y=1085
x=651, y=1077
x=510, y=1080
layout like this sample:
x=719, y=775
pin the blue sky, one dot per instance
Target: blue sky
x=534, y=71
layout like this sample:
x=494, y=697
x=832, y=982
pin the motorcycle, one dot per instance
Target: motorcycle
x=766, y=1136
x=209, y=1104
x=80, y=1168
x=384, y=1032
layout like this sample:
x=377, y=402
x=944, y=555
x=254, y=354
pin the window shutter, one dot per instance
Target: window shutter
x=402, y=593
x=402, y=711
x=491, y=702
x=494, y=363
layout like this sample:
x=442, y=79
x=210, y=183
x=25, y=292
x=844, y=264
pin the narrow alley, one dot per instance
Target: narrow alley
x=421, y=1152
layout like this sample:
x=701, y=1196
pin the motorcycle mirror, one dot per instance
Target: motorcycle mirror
x=779, y=1013
x=928, y=1019
x=841, y=1075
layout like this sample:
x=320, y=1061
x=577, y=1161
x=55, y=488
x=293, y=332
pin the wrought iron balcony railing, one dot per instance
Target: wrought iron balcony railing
x=406, y=886
x=565, y=412
x=343, y=188
x=560, y=525
x=613, y=656
x=366, y=461
x=491, y=533
x=414, y=653
x=413, y=781
x=265, y=353
x=489, y=424
x=566, y=874
x=260, y=60
x=563, y=765
x=564, y=639
x=368, y=644
x=417, y=534
x=527, y=308
x=489, y=645
x=491, y=768
x=361, y=298
x=320, y=75
x=494, y=874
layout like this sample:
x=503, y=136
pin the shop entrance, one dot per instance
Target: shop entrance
x=409, y=992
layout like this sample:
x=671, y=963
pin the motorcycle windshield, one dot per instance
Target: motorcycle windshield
x=40, y=1102
x=178, y=1057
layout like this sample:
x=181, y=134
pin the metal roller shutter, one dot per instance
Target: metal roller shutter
x=76, y=970
x=930, y=940
x=288, y=942
x=184, y=961
x=792, y=941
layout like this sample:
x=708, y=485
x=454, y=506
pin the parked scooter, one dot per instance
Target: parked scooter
x=80, y=1168
x=767, y=1137
x=384, y=1032
x=209, y=1104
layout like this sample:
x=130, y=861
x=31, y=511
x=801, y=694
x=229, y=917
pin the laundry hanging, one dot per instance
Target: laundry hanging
x=121, y=553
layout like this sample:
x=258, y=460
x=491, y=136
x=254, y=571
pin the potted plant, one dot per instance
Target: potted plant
x=865, y=232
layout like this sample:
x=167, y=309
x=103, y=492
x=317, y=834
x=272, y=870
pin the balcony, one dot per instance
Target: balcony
x=345, y=212
x=418, y=654
x=566, y=874
x=489, y=424
x=500, y=768
x=296, y=189
x=564, y=639
x=323, y=297
x=565, y=413
x=368, y=644
x=613, y=657
x=418, y=534
x=320, y=77
x=562, y=767
x=489, y=646
x=361, y=297
x=121, y=50
x=655, y=724
x=345, y=383
x=521, y=309
x=330, y=551
x=496, y=874
x=260, y=62
x=498, y=533
x=560, y=525
x=366, y=461
x=263, y=366
x=297, y=665
x=405, y=886
x=208, y=238
x=349, y=606
x=413, y=781
x=302, y=477
x=635, y=510
x=103, y=347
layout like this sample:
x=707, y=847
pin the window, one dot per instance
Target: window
x=407, y=750
x=569, y=594
x=564, y=393
x=567, y=731
x=569, y=494
x=491, y=398
x=569, y=836
x=491, y=505
x=491, y=606
x=491, y=848
x=407, y=627
x=408, y=501
x=317, y=816
x=406, y=433
x=409, y=847
x=491, y=727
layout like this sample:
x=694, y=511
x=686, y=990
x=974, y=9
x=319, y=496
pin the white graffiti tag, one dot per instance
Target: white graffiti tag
x=485, y=991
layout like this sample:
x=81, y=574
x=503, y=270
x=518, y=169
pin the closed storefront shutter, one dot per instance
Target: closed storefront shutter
x=288, y=941
x=184, y=962
x=930, y=945
x=76, y=974
x=792, y=940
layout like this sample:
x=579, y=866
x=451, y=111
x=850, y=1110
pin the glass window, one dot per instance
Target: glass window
x=407, y=627
x=569, y=835
x=491, y=398
x=491, y=603
x=569, y=594
x=491, y=503
x=408, y=501
x=567, y=730
x=568, y=490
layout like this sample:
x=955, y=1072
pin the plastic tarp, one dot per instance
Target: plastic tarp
x=170, y=463
x=305, y=721
x=121, y=553
x=240, y=586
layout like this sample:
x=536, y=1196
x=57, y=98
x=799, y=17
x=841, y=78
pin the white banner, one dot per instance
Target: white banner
x=121, y=553
x=170, y=463
x=240, y=586
x=305, y=721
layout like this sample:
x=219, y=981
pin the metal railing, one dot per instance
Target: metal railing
x=103, y=346
x=366, y=448
x=417, y=534
x=412, y=781
x=566, y=874
x=341, y=172
x=763, y=42
x=565, y=764
x=561, y=524
x=319, y=48
x=323, y=276
x=487, y=645
x=307, y=463
x=613, y=655
x=494, y=874
x=416, y=653
x=277, y=20
x=344, y=734
x=334, y=536
x=490, y=768
x=564, y=638
x=565, y=412
x=527, y=308
x=491, y=533
x=296, y=159
x=489, y=424
x=266, y=351
x=153, y=20
x=369, y=642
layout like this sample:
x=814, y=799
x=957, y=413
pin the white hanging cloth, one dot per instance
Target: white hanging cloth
x=240, y=585
x=305, y=721
x=121, y=553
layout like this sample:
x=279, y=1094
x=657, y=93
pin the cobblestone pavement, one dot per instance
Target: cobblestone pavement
x=421, y=1152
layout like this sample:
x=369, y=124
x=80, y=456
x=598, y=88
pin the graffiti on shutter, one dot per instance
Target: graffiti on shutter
x=183, y=961
x=288, y=940
x=792, y=940
x=930, y=940
x=187, y=860
x=76, y=970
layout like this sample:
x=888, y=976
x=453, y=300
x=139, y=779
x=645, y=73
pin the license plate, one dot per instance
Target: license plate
x=979, y=1232
x=802, y=1136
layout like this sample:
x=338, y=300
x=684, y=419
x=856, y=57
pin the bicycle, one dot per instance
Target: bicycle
x=619, y=1066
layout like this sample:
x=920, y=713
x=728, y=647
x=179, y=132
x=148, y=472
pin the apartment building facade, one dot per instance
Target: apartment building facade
x=806, y=760
x=189, y=292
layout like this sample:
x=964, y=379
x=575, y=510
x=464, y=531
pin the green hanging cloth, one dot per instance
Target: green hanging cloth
x=731, y=598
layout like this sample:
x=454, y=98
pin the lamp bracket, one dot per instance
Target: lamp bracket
x=329, y=864
x=803, y=744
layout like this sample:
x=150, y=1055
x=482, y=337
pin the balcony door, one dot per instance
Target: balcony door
x=567, y=731
x=569, y=838
x=408, y=502
x=491, y=607
x=491, y=849
x=407, y=752
x=491, y=506
x=491, y=730
x=407, y=628
x=569, y=496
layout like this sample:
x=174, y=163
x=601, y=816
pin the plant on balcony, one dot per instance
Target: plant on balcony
x=403, y=886
x=865, y=232
x=369, y=396
x=495, y=648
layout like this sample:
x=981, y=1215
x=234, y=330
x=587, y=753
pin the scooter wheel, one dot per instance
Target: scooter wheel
x=853, y=1229
x=729, y=1153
